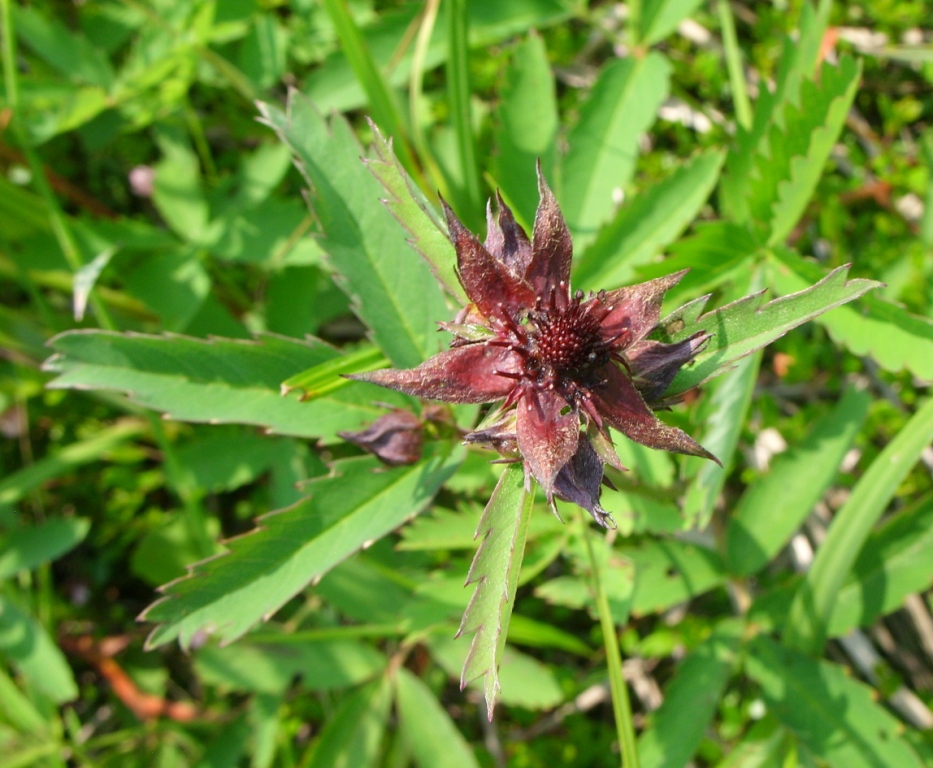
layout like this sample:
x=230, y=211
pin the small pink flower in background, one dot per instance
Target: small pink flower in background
x=142, y=178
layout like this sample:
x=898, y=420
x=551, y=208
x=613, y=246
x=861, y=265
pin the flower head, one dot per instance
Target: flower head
x=566, y=367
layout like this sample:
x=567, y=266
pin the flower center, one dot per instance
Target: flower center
x=566, y=342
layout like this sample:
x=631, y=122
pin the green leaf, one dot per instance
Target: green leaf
x=495, y=572
x=216, y=381
x=746, y=325
x=24, y=548
x=835, y=717
x=353, y=734
x=785, y=176
x=431, y=735
x=895, y=338
x=690, y=701
x=271, y=666
x=263, y=52
x=724, y=413
x=896, y=561
x=798, y=478
x=392, y=290
x=18, y=484
x=411, y=208
x=668, y=572
x=798, y=60
x=268, y=566
x=764, y=745
x=177, y=191
x=660, y=17
x=26, y=644
x=816, y=597
x=622, y=105
x=458, y=100
x=527, y=127
x=649, y=223
x=330, y=376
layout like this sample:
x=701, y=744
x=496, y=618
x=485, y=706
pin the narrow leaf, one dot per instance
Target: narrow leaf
x=746, y=325
x=645, y=226
x=354, y=733
x=526, y=130
x=669, y=572
x=215, y=381
x=408, y=205
x=265, y=568
x=895, y=338
x=18, y=484
x=604, y=143
x=431, y=735
x=391, y=289
x=495, y=572
x=895, y=562
x=816, y=597
x=798, y=478
x=28, y=646
x=660, y=17
x=835, y=717
x=690, y=701
x=25, y=548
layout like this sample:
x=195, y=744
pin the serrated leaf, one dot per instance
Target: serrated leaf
x=431, y=735
x=526, y=130
x=786, y=174
x=604, y=143
x=215, y=381
x=748, y=324
x=495, y=571
x=391, y=289
x=690, y=701
x=644, y=227
x=265, y=568
x=409, y=206
x=798, y=59
x=834, y=716
x=799, y=478
x=896, y=561
x=895, y=338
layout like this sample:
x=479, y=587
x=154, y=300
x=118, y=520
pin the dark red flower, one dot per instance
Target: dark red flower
x=395, y=438
x=567, y=367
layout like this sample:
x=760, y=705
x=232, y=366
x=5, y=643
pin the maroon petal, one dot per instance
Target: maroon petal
x=551, y=248
x=546, y=439
x=497, y=291
x=580, y=482
x=516, y=247
x=395, y=438
x=654, y=364
x=634, y=310
x=622, y=407
x=467, y=374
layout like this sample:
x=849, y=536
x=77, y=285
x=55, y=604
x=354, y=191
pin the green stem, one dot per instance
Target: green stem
x=634, y=23
x=621, y=706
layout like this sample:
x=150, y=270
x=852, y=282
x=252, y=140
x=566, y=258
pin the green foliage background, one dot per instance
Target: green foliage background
x=158, y=259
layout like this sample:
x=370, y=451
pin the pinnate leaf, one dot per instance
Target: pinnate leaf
x=745, y=325
x=215, y=381
x=265, y=568
x=495, y=571
x=391, y=289
x=895, y=338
